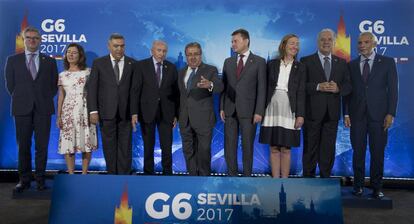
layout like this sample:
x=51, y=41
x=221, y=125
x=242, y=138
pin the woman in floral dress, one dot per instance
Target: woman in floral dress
x=76, y=134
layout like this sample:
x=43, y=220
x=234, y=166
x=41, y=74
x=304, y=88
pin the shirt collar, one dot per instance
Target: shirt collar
x=371, y=57
x=155, y=61
x=27, y=53
x=246, y=54
x=322, y=56
x=113, y=59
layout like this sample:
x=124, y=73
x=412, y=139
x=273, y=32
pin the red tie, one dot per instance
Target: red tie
x=239, y=66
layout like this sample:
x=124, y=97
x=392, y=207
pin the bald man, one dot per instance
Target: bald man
x=154, y=103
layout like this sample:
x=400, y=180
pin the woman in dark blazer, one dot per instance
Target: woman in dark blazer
x=285, y=105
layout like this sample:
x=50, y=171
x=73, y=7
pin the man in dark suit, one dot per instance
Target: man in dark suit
x=155, y=102
x=108, y=103
x=242, y=101
x=197, y=83
x=327, y=79
x=31, y=80
x=370, y=109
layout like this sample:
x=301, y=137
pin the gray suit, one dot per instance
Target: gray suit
x=240, y=100
x=197, y=119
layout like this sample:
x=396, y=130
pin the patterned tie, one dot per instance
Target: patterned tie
x=327, y=68
x=240, y=66
x=31, y=66
x=190, y=79
x=116, y=71
x=158, y=73
x=365, y=71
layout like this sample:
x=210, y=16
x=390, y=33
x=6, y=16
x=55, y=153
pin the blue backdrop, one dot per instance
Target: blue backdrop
x=211, y=23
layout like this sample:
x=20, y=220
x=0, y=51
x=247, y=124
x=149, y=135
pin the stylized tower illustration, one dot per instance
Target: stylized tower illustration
x=180, y=61
x=123, y=214
x=312, y=207
x=342, y=47
x=282, y=201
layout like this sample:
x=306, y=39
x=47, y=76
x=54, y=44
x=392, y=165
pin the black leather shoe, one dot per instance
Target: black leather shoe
x=377, y=194
x=41, y=185
x=358, y=191
x=21, y=186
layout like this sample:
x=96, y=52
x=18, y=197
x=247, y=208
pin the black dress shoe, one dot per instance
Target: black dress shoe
x=21, y=186
x=358, y=191
x=377, y=194
x=41, y=185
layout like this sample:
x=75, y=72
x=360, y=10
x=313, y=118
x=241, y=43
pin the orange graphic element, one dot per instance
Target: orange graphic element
x=342, y=47
x=123, y=214
x=19, y=37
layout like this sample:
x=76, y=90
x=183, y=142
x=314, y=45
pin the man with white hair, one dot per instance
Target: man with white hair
x=327, y=79
x=370, y=111
x=154, y=103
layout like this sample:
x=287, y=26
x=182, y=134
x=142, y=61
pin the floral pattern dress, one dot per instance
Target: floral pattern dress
x=77, y=134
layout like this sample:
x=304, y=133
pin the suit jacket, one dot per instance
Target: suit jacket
x=379, y=96
x=246, y=95
x=105, y=95
x=197, y=104
x=28, y=94
x=146, y=95
x=296, y=85
x=318, y=103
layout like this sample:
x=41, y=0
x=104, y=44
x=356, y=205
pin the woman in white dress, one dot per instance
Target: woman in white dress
x=76, y=134
x=285, y=105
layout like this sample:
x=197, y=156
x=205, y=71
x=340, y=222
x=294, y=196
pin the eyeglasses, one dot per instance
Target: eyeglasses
x=32, y=38
x=72, y=52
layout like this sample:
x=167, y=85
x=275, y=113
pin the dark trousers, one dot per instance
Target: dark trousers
x=165, y=132
x=319, y=146
x=116, y=142
x=231, y=139
x=196, y=143
x=361, y=130
x=25, y=126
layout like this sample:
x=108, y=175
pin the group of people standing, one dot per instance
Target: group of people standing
x=284, y=95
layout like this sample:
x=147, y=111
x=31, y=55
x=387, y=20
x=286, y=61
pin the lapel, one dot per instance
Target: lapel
x=150, y=69
x=126, y=70
x=22, y=61
x=334, y=65
x=292, y=74
x=249, y=62
x=276, y=72
x=42, y=64
x=108, y=65
x=318, y=65
x=377, y=63
x=356, y=66
x=181, y=77
x=164, y=73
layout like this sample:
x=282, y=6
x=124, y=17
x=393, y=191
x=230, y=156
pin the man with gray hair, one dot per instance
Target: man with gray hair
x=31, y=80
x=155, y=103
x=108, y=103
x=370, y=111
x=327, y=79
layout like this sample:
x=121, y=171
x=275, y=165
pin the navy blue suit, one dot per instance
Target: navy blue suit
x=367, y=107
x=32, y=105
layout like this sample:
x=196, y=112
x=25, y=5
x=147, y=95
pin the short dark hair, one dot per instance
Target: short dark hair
x=282, y=45
x=193, y=44
x=243, y=33
x=116, y=36
x=82, y=57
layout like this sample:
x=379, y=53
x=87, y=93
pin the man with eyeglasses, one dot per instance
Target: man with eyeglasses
x=31, y=80
x=197, y=83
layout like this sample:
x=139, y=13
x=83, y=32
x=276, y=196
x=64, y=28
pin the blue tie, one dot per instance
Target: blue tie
x=189, y=81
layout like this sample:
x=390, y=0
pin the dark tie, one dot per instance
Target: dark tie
x=327, y=68
x=116, y=70
x=158, y=73
x=365, y=71
x=31, y=66
x=190, y=79
x=240, y=66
